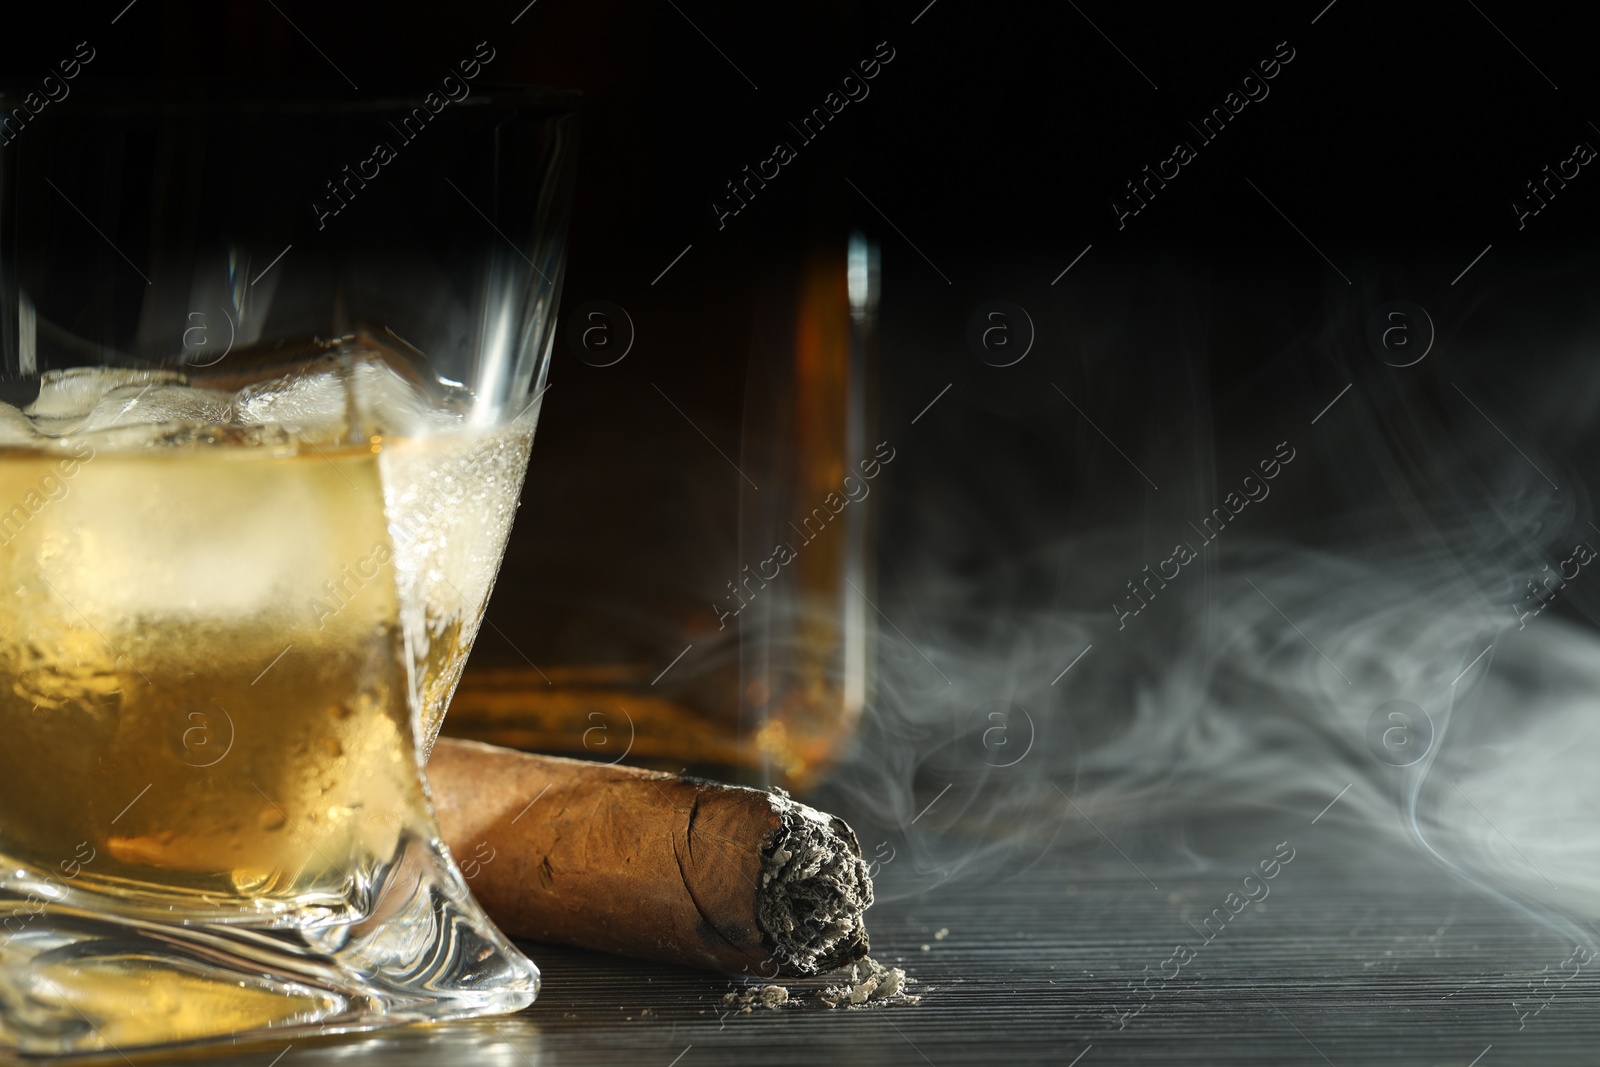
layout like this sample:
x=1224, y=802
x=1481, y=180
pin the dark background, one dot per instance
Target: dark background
x=989, y=148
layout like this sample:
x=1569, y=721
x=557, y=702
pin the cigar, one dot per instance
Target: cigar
x=651, y=865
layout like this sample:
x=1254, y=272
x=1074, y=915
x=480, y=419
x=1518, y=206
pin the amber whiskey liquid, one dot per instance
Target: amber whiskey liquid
x=235, y=606
x=223, y=640
x=170, y=695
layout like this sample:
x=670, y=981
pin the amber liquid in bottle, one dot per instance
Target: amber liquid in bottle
x=785, y=631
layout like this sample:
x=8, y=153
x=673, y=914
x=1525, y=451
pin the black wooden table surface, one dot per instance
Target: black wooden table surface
x=1359, y=954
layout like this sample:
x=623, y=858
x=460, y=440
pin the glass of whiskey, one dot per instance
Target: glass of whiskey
x=270, y=367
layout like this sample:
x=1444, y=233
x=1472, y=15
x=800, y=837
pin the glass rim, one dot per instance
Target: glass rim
x=288, y=97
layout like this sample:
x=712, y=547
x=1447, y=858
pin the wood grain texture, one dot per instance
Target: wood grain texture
x=1359, y=956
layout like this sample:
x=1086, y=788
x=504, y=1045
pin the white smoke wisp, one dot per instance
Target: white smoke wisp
x=1266, y=678
x=1241, y=712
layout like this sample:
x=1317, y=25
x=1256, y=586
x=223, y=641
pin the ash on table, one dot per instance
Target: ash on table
x=868, y=982
x=767, y=996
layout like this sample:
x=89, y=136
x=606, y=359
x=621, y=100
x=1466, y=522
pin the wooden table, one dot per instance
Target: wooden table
x=1360, y=954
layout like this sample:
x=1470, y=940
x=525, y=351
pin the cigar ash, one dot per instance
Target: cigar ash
x=868, y=982
x=815, y=891
x=864, y=983
x=767, y=996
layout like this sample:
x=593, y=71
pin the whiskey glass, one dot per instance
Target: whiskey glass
x=270, y=364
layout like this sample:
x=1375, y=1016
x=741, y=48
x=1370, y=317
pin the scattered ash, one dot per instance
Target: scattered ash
x=868, y=982
x=767, y=996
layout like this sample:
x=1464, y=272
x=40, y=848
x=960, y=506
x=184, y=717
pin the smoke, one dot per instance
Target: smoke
x=1394, y=636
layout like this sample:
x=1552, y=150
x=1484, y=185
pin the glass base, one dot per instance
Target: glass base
x=79, y=975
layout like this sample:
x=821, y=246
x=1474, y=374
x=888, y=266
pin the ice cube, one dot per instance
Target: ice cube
x=305, y=404
x=388, y=402
x=67, y=394
x=366, y=388
x=158, y=403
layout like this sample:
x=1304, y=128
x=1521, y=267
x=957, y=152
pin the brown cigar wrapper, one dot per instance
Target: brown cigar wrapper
x=639, y=863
